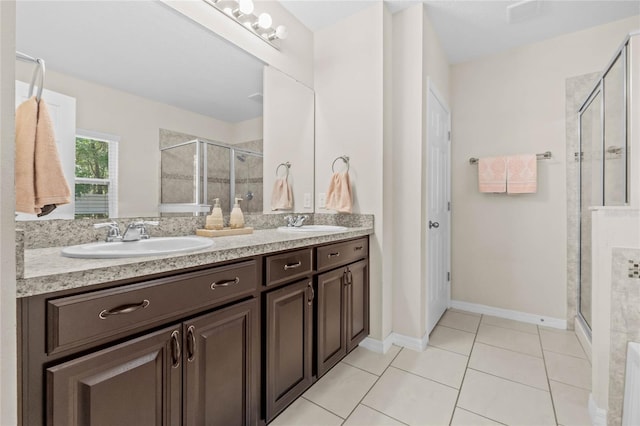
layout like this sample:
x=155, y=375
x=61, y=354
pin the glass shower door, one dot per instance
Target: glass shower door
x=615, y=134
x=591, y=193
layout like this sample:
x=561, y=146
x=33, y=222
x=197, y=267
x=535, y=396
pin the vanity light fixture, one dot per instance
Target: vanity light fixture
x=242, y=12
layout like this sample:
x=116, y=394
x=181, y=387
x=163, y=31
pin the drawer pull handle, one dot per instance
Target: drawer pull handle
x=225, y=283
x=191, y=343
x=124, y=309
x=292, y=265
x=313, y=294
x=175, y=349
x=336, y=254
x=358, y=248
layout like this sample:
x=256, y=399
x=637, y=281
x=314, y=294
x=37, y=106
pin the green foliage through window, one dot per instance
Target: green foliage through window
x=92, y=161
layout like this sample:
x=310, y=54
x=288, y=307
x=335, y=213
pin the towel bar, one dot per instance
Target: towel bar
x=544, y=156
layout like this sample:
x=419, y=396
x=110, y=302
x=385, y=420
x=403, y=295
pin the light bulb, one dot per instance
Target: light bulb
x=246, y=7
x=264, y=20
x=282, y=32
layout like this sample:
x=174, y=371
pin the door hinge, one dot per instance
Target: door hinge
x=448, y=206
x=448, y=276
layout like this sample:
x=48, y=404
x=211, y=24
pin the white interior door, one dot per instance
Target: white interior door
x=438, y=215
x=63, y=115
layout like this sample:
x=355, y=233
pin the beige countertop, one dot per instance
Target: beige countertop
x=46, y=270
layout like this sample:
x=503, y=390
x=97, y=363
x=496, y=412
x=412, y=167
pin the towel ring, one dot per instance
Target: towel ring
x=343, y=158
x=287, y=166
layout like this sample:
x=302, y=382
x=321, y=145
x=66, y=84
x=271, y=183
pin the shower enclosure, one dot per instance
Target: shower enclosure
x=195, y=172
x=604, y=161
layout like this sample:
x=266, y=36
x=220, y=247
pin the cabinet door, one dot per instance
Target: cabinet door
x=331, y=341
x=134, y=383
x=289, y=355
x=221, y=357
x=357, y=303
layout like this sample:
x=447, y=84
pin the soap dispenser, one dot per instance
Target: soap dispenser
x=215, y=219
x=237, y=218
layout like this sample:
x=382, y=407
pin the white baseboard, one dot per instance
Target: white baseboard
x=509, y=314
x=383, y=347
x=583, y=337
x=597, y=414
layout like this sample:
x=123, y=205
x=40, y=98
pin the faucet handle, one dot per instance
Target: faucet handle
x=113, y=233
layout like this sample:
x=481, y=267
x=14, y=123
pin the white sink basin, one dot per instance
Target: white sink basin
x=312, y=228
x=151, y=247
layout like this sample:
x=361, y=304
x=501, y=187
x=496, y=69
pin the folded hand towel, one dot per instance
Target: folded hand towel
x=492, y=174
x=339, y=193
x=40, y=182
x=522, y=174
x=281, y=196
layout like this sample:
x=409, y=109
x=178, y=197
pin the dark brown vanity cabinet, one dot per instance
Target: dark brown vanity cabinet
x=200, y=372
x=178, y=350
x=342, y=302
x=289, y=344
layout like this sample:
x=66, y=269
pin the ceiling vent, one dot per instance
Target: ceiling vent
x=523, y=11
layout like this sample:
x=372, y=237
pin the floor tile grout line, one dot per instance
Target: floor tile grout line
x=570, y=385
x=425, y=378
x=510, y=380
x=453, y=328
x=480, y=415
x=466, y=368
x=566, y=354
x=507, y=349
x=324, y=408
x=544, y=361
x=378, y=411
x=449, y=350
x=362, y=369
x=510, y=329
x=372, y=386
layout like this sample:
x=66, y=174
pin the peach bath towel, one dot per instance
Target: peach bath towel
x=339, y=193
x=492, y=174
x=522, y=174
x=40, y=182
x=281, y=196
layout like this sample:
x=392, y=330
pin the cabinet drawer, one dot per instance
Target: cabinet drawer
x=76, y=320
x=338, y=254
x=287, y=266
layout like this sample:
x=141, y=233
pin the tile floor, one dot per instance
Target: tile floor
x=477, y=370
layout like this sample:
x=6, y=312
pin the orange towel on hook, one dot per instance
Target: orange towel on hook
x=492, y=174
x=522, y=174
x=339, y=193
x=281, y=196
x=40, y=181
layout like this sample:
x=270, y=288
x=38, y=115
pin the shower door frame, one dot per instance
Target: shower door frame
x=600, y=88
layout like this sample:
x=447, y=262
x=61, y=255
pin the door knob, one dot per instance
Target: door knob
x=434, y=225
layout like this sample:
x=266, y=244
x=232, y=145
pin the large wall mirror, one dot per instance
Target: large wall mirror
x=161, y=113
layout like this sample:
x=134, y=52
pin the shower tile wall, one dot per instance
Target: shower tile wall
x=577, y=89
x=625, y=326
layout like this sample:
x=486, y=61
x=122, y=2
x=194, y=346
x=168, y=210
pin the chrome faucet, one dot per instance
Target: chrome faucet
x=295, y=221
x=113, y=233
x=138, y=230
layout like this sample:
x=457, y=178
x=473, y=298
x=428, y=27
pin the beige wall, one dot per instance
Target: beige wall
x=510, y=251
x=8, y=350
x=417, y=56
x=349, y=85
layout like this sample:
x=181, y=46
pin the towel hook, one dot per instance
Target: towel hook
x=287, y=166
x=343, y=158
x=38, y=72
